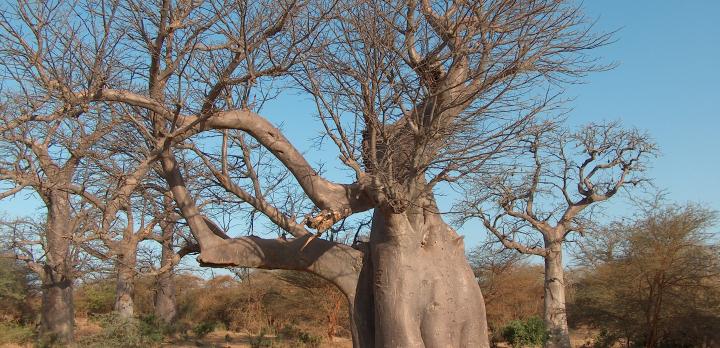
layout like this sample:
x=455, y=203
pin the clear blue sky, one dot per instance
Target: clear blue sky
x=667, y=83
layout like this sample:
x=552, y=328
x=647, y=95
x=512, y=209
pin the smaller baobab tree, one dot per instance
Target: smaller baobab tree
x=538, y=199
x=113, y=183
x=33, y=243
x=47, y=130
x=42, y=152
x=161, y=264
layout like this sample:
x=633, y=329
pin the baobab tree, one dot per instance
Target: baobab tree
x=41, y=153
x=413, y=94
x=119, y=185
x=541, y=198
x=50, y=135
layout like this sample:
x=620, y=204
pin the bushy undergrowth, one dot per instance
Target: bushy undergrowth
x=95, y=298
x=263, y=302
x=203, y=329
x=288, y=337
x=123, y=332
x=530, y=332
x=302, y=338
x=262, y=341
x=12, y=333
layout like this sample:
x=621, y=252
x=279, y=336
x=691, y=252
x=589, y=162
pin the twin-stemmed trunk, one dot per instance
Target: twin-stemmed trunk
x=653, y=309
x=57, y=313
x=418, y=285
x=555, y=314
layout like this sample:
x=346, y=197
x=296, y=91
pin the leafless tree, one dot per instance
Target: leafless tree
x=175, y=243
x=42, y=147
x=412, y=93
x=49, y=52
x=28, y=241
x=542, y=197
x=117, y=181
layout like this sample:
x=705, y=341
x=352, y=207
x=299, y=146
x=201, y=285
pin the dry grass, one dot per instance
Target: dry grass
x=231, y=339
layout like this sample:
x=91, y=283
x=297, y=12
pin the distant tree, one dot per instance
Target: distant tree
x=512, y=287
x=32, y=243
x=541, y=196
x=653, y=281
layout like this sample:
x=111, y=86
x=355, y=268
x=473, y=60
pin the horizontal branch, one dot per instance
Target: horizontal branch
x=337, y=263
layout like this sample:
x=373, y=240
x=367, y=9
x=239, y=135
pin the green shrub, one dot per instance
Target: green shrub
x=310, y=340
x=123, y=332
x=526, y=333
x=152, y=328
x=604, y=339
x=203, y=329
x=11, y=333
x=96, y=298
x=260, y=341
x=303, y=338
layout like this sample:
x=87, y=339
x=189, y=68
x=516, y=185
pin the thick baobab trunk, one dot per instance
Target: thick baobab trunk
x=125, y=285
x=57, y=320
x=57, y=313
x=424, y=293
x=165, y=306
x=555, y=313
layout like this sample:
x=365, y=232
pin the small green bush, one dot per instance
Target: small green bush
x=604, y=340
x=123, y=332
x=204, y=328
x=526, y=333
x=96, y=298
x=302, y=338
x=310, y=340
x=12, y=333
x=152, y=328
x=260, y=341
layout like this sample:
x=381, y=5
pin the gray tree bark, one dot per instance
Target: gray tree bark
x=165, y=305
x=555, y=315
x=57, y=312
x=410, y=286
x=424, y=292
x=125, y=285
